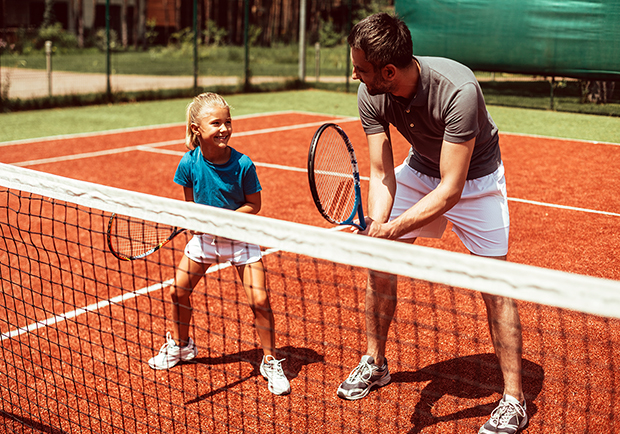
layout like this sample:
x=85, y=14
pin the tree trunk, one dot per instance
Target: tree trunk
x=207, y=17
x=597, y=92
x=92, y=24
x=240, y=20
x=124, y=35
x=71, y=16
x=80, y=23
x=139, y=20
x=48, y=14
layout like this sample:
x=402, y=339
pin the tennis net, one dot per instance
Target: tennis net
x=78, y=327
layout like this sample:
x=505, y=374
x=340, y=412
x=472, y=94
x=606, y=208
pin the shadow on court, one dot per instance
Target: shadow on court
x=296, y=358
x=26, y=422
x=472, y=377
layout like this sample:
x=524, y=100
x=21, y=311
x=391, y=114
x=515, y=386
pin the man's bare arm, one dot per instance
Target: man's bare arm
x=454, y=165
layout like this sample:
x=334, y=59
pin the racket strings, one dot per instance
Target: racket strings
x=131, y=237
x=334, y=176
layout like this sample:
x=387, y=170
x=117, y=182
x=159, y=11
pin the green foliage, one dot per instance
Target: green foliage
x=254, y=33
x=328, y=36
x=180, y=44
x=101, y=40
x=150, y=33
x=214, y=35
x=59, y=37
x=371, y=8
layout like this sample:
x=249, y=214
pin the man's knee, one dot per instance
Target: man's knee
x=499, y=303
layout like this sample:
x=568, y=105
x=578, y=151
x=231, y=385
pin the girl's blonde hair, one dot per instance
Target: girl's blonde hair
x=196, y=110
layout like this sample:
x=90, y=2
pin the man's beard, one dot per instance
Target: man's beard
x=379, y=87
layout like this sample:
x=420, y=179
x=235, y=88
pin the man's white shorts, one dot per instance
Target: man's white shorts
x=480, y=219
x=204, y=248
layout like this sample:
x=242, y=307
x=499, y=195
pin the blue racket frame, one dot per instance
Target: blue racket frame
x=358, y=210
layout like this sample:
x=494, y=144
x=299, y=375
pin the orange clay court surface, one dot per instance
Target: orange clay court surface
x=565, y=215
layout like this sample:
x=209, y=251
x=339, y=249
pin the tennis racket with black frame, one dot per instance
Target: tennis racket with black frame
x=334, y=177
x=130, y=238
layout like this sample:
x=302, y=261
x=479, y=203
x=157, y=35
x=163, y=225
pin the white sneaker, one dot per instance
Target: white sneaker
x=170, y=354
x=271, y=369
x=363, y=378
x=508, y=418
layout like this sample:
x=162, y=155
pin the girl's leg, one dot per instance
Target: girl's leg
x=188, y=275
x=253, y=278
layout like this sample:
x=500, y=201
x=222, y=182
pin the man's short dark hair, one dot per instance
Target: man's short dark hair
x=384, y=39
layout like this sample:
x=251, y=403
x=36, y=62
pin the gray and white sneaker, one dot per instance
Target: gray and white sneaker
x=508, y=418
x=363, y=378
x=170, y=354
x=271, y=369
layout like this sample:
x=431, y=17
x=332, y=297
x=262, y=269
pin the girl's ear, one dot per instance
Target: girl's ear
x=195, y=128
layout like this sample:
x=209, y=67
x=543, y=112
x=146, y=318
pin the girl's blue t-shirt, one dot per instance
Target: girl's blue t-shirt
x=220, y=185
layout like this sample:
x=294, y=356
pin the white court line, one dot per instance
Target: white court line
x=166, y=143
x=146, y=148
x=571, y=208
x=93, y=307
x=338, y=118
x=112, y=301
x=92, y=154
x=100, y=305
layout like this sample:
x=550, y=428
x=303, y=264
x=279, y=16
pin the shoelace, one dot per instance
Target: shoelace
x=505, y=411
x=363, y=372
x=169, y=343
x=164, y=347
x=276, y=366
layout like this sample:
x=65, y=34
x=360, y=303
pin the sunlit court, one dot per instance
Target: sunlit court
x=78, y=325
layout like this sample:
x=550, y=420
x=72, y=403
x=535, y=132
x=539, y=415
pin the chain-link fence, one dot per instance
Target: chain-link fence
x=155, y=45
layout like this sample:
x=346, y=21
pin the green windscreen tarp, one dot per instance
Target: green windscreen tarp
x=563, y=38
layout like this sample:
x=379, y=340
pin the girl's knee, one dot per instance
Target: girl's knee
x=179, y=294
x=260, y=304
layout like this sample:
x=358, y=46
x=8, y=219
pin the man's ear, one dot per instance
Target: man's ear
x=388, y=72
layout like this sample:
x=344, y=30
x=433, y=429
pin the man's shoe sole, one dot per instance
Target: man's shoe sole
x=379, y=383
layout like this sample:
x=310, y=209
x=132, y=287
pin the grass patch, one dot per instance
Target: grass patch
x=537, y=95
x=51, y=122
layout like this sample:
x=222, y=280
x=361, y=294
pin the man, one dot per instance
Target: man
x=453, y=172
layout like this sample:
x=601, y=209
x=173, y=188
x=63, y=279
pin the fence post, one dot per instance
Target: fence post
x=302, y=41
x=48, y=62
x=108, y=88
x=349, y=23
x=317, y=60
x=246, y=46
x=195, y=25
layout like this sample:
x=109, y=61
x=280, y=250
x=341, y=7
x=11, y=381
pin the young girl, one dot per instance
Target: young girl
x=213, y=173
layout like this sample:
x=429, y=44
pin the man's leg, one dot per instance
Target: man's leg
x=372, y=371
x=505, y=329
x=380, y=308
